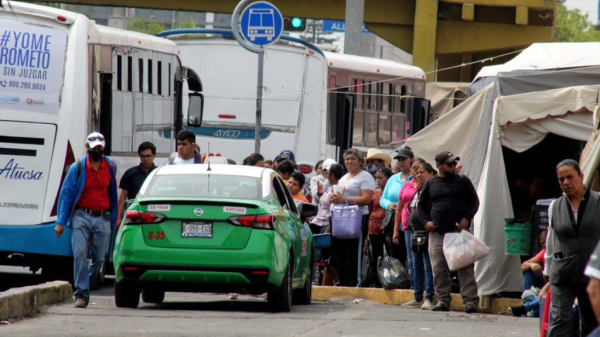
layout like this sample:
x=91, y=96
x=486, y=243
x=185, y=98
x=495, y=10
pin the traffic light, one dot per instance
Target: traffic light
x=292, y=24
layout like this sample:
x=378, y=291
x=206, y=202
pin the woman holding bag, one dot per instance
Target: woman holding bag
x=404, y=237
x=423, y=274
x=354, y=189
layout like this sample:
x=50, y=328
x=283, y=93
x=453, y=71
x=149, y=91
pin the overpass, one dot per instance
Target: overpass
x=439, y=33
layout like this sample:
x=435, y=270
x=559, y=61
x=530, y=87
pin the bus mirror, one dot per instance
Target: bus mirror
x=195, y=109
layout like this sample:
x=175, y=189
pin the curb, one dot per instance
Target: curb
x=25, y=301
x=498, y=306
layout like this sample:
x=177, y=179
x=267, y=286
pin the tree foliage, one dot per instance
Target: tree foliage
x=573, y=26
x=151, y=27
x=185, y=23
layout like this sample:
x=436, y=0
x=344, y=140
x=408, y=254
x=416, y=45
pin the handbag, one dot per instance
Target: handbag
x=420, y=241
x=346, y=222
x=388, y=222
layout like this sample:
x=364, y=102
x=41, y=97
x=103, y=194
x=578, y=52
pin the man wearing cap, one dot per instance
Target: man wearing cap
x=376, y=160
x=592, y=270
x=447, y=204
x=389, y=202
x=88, y=206
x=319, y=184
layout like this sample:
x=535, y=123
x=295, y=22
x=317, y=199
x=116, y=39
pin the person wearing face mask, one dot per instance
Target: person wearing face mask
x=377, y=160
x=447, y=204
x=87, y=205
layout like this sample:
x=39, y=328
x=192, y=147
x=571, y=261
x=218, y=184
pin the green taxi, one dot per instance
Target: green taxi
x=223, y=229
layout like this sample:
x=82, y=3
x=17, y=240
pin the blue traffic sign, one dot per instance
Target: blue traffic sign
x=261, y=23
x=330, y=26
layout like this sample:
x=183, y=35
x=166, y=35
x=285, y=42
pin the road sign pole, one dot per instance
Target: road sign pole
x=259, y=90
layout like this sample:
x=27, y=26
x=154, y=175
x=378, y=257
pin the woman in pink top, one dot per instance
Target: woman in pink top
x=406, y=193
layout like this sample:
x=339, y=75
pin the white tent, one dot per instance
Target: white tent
x=516, y=121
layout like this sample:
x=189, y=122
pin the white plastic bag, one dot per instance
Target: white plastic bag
x=463, y=249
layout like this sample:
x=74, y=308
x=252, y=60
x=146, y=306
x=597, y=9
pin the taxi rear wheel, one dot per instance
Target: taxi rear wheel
x=155, y=296
x=126, y=295
x=280, y=298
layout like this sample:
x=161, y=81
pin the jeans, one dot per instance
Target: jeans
x=533, y=279
x=84, y=227
x=410, y=265
x=423, y=276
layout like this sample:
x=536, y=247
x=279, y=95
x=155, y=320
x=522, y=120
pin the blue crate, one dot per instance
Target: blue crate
x=322, y=241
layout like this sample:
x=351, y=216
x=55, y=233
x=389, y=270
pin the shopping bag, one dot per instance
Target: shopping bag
x=463, y=249
x=346, y=222
x=367, y=277
x=391, y=273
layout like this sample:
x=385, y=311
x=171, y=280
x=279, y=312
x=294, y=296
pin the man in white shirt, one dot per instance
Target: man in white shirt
x=186, y=154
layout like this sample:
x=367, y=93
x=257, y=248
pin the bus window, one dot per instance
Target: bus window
x=367, y=98
x=398, y=127
x=387, y=104
x=119, y=72
x=385, y=122
x=129, y=73
x=370, y=128
x=159, y=79
x=150, y=73
x=332, y=82
x=141, y=75
x=357, y=130
x=375, y=95
x=358, y=89
x=169, y=79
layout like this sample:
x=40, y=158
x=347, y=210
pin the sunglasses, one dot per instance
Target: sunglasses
x=100, y=138
x=452, y=164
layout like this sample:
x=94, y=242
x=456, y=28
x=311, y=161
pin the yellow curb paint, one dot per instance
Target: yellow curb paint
x=400, y=296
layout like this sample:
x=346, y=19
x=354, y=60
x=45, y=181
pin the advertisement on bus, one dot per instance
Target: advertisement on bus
x=31, y=67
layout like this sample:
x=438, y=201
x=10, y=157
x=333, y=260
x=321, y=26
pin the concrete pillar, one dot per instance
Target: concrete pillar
x=354, y=22
x=425, y=32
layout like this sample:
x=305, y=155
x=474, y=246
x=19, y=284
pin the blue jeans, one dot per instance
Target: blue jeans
x=84, y=227
x=410, y=265
x=423, y=275
x=533, y=279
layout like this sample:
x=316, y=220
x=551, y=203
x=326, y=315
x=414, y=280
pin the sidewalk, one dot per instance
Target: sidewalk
x=25, y=301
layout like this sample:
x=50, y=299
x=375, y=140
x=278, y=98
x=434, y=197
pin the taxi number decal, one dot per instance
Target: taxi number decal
x=165, y=208
x=160, y=235
x=235, y=210
x=304, y=247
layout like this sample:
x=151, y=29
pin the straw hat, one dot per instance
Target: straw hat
x=378, y=154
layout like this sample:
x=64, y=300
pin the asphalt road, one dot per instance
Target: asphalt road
x=189, y=314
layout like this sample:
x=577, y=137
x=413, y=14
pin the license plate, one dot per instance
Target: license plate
x=196, y=230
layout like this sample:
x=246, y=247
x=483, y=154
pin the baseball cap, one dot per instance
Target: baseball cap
x=327, y=163
x=445, y=157
x=288, y=154
x=94, y=139
x=404, y=152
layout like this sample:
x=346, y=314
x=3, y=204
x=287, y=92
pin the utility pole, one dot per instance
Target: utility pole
x=354, y=24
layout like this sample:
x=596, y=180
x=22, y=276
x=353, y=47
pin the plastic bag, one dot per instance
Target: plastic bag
x=367, y=277
x=463, y=249
x=391, y=273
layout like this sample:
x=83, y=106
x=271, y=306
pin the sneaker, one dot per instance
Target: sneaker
x=440, y=307
x=80, y=302
x=233, y=296
x=517, y=311
x=412, y=304
x=470, y=308
x=427, y=305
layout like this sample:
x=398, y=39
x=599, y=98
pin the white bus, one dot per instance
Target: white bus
x=62, y=77
x=315, y=103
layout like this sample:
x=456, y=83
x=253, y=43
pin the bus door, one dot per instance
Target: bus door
x=341, y=117
x=418, y=110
